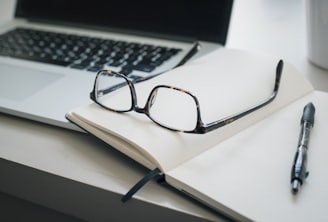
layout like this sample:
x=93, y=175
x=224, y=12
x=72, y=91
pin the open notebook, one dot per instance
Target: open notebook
x=243, y=169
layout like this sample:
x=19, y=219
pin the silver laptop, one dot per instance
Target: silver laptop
x=51, y=51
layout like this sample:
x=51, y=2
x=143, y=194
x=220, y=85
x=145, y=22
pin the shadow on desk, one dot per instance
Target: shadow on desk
x=72, y=173
x=15, y=209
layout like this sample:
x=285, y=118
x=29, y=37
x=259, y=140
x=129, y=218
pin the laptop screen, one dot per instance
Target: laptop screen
x=206, y=20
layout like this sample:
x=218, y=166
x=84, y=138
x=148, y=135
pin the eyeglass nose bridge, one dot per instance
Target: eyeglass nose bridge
x=153, y=98
x=149, y=103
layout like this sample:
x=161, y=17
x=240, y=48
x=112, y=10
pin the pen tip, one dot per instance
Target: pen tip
x=295, y=186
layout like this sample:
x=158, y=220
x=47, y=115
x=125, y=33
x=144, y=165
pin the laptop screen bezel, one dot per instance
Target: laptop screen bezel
x=210, y=30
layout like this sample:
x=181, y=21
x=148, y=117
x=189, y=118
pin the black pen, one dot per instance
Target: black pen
x=299, y=171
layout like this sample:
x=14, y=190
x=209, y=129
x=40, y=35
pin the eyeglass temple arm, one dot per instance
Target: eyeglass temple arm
x=194, y=49
x=228, y=120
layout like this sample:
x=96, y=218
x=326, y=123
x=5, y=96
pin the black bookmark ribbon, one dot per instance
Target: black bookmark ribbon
x=152, y=174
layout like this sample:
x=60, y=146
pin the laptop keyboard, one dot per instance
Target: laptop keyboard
x=82, y=52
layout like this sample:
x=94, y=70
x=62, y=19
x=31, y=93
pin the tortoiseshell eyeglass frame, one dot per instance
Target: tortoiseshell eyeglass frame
x=200, y=127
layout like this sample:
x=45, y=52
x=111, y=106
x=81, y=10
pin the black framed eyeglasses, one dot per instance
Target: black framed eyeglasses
x=170, y=107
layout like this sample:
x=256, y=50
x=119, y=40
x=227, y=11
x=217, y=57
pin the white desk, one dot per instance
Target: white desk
x=78, y=175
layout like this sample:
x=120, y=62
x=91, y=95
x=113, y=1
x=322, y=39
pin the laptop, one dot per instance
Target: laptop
x=51, y=50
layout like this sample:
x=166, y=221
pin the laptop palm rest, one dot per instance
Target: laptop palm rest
x=18, y=84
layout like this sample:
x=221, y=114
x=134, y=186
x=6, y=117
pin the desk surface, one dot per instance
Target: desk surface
x=76, y=174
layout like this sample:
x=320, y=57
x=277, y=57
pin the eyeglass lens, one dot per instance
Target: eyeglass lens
x=173, y=109
x=109, y=95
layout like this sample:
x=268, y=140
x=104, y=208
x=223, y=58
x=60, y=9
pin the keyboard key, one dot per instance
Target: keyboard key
x=79, y=66
x=126, y=70
x=95, y=68
x=139, y=67
x=115, y=63
x=144, y=67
